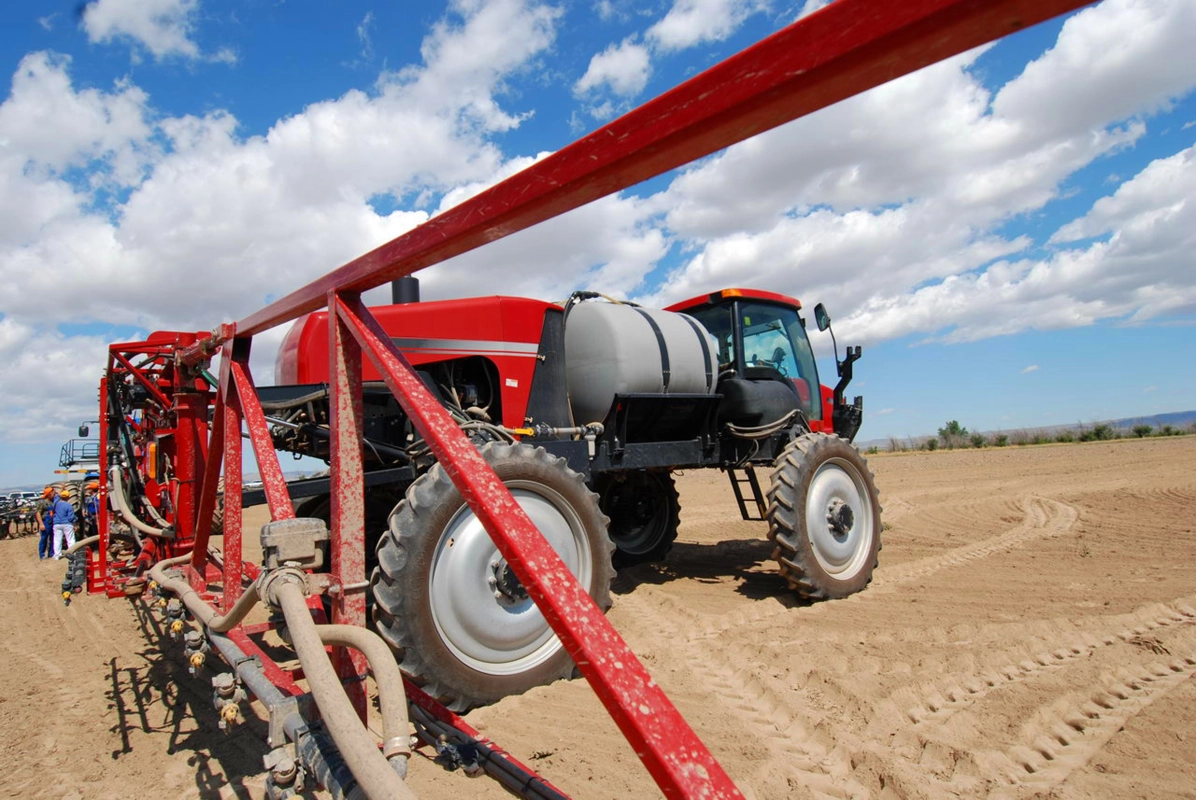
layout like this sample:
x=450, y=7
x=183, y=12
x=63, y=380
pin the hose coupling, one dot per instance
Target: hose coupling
x=269, y=583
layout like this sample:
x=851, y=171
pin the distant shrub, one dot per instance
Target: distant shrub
x=896, y=445
x=977, y=440
x=1103, y=432
x=1020, y=437
x=931, y=444
x=873, y=450
x=1065, y=437
x=1142, y=431
x=1167, y=430
x=953, y=434
x=999, y=440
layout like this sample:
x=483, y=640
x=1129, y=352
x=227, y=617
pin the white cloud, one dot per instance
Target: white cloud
x=886, y=203
x=691, y=22
x=50, y=381
x=622, y=68
x=164, y=27
x=1029, y=369
x=1152, y=199
x=210, y=225
x=364, y=36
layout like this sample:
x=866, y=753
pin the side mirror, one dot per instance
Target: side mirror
x=83, y=431
x=821, y=317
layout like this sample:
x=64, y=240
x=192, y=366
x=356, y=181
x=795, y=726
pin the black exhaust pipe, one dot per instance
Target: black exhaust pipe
x=404, y=290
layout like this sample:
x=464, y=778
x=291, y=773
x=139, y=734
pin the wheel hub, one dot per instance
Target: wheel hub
x=840, y=517
x=505, y=583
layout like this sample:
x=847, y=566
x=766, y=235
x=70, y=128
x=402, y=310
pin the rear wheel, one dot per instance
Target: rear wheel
x=824, y=517
x=644, y=513
x=451, y=605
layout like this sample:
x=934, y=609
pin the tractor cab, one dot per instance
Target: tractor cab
x=767, y=373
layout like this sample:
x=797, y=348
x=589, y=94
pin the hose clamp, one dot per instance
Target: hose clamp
x=277, y=577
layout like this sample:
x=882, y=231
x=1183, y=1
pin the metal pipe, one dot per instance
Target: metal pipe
x=317, y=753
x=199, y=608
x=372, y=771
x=493, y=761
x=392, y=699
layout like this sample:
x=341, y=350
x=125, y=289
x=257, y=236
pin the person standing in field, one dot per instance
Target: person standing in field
x=64, y=523
x=44, y=511
x=91, y=507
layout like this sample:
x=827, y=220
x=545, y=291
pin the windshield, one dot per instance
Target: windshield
x=773, y=338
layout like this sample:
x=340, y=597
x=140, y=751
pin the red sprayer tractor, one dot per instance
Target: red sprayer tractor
x=493, y=460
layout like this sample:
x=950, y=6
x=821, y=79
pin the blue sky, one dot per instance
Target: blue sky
x=1009, y=234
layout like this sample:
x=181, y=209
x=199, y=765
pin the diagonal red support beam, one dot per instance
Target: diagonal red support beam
x=674, y=755
x=843, y=49
x=347, y=423
x=269, y=469
x=232, y=473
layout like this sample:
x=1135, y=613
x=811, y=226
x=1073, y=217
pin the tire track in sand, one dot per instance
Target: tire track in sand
x=946, y=696
x=765, y=715
x=1044, y=518
x=1064, y=741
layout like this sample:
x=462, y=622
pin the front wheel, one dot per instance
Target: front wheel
x=455, y=611
x=824, y=517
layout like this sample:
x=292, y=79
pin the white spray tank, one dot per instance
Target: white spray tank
x=619, y=348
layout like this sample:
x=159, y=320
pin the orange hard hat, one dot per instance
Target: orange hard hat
x=48, y=491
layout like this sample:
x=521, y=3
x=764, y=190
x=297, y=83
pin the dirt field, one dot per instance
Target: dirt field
x=1031, y=631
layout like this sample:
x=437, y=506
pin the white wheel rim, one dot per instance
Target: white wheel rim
x=839, y=519
x=491, y=631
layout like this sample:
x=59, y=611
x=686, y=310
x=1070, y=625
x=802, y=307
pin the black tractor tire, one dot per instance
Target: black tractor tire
x=644, y=513
x=824, y=517
x=379, y=502
x=76, y=494
x=460, y=621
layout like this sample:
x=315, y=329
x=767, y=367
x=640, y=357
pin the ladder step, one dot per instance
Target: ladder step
x=748, y=478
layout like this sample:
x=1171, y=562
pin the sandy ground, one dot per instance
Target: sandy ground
x=1031, y=632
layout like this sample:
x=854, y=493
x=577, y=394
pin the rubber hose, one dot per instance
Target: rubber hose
x=79, y=545
x=372, y=771
x=121, y=503
x=199, y=608
x=392, y=699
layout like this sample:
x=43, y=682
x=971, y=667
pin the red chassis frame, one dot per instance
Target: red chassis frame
x=841, y=50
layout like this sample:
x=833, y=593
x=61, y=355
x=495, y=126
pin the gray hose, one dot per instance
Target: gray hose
x=79, y=545
x=121, y=502
x=373, y=772
x=392, y=700
x=198, y=607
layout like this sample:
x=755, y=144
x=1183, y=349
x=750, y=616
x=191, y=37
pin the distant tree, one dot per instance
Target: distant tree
x=977, y=440
x=953, y=434
x=1167, y=430
x=1142, y=431
x=1103, y=432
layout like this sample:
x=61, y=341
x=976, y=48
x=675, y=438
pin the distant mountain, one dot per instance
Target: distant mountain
x=1176, y=419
